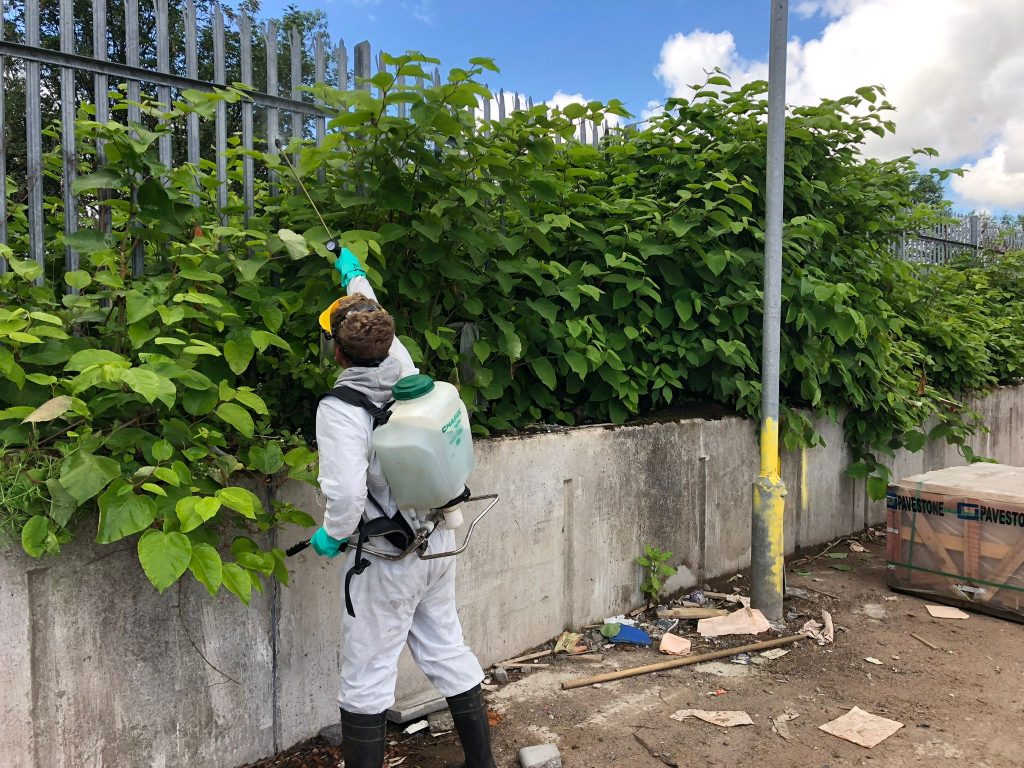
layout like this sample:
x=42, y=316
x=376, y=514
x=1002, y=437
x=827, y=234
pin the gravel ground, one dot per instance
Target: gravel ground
x=960, y=705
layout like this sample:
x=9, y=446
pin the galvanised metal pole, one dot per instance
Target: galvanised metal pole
x=766, y=537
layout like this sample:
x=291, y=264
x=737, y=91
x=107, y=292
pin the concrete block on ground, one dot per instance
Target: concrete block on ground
x=540, y=756
x=441, y=722
x=416, y=706
x=331, y=734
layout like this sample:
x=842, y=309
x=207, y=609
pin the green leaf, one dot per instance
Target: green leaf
x=252, y=401
x=77, y=279
x=841, y=567
x=193, y=511
x=162, y=450
x=914, y=441
x=25, y=269
x=143, y=381
x=238, y=352
x=877, y=487
x=207, y=567
x=716, y=261
x=838, y=555
x=123, y=513
x=33, y=535
x=87, y=241
x=267, y=458
x=62, y=503
x=138, y=306
x=168, y=475
x=545, y=371
x=263, y=339
x=90, y=357
x=164, y=557
x=83, y=475
x=101, y=179
x=293, y=243
x=238, y=582
x=238, y=417
x=242, y=501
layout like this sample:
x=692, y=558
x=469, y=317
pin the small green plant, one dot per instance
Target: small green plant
x=654, y=561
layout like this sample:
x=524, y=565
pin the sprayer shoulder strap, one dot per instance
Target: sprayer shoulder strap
x=379, y=414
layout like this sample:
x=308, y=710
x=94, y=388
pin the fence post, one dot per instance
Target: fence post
x=100, y=86
x=363, y=65
x=221, y=116
x=67, y=134
x=34, y=140
x=975, y=236
x=131, y=28
x=272, y=89
x=295, y=49
x=320, y=76
x=245, y=64
x=163, y=64
x=191, y=70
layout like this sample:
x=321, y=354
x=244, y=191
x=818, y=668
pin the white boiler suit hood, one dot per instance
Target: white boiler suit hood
x=396, y=602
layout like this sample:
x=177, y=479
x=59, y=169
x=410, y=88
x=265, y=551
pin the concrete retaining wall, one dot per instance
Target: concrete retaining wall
x=96, y=669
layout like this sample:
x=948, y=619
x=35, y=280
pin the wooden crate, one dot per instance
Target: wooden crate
x=956, y=536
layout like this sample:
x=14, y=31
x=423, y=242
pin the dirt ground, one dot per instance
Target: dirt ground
x=961, y=705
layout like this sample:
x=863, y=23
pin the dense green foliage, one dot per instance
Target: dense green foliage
x=554, y=282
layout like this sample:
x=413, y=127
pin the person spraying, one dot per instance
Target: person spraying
x=389, y=602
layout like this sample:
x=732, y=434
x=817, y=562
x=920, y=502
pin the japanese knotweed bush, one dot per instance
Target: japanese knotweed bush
x=554, y=282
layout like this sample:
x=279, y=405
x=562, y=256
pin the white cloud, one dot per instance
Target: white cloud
x=561, y=99
x=953, y=68
x=997, y=179
x=687, y=59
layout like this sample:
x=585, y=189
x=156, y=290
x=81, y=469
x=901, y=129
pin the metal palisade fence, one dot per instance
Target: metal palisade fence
x=113, y=63
x=980, y=237
x=58, y=56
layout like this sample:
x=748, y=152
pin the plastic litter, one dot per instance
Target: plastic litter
x=631, y=636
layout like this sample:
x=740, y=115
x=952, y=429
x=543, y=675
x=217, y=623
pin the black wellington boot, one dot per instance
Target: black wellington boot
x=363, y=739
x=470, y=715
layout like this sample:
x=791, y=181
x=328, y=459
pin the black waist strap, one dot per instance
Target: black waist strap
x=397, y=532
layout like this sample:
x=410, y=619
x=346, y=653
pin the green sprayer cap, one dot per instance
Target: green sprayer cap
x=412, y=387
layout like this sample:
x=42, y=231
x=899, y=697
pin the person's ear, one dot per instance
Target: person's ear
x=339, y=356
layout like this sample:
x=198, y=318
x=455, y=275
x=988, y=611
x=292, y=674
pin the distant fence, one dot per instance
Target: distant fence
x=969, y=235
x=71, y=68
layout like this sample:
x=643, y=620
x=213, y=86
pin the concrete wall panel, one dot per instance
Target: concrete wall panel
x=96, y=669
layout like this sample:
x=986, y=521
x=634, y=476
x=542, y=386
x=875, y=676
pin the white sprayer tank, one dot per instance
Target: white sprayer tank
x=425, y=449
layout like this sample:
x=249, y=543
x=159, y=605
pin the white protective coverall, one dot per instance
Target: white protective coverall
x=409, y=600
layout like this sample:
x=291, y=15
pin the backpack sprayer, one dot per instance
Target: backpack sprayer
x=423, y=441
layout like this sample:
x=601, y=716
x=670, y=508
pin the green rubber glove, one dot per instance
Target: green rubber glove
x=325, y=545
x=348, y=266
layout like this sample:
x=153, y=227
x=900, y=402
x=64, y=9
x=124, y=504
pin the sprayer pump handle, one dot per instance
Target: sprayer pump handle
x=296, y=548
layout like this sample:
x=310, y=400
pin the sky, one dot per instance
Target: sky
x=953, y=68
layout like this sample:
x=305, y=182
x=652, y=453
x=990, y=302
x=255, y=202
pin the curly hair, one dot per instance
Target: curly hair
x=363, y=329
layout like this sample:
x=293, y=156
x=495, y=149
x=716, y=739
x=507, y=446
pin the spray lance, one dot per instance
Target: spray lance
x=424, y=443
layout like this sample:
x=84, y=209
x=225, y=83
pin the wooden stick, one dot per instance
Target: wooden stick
x=609, y=676
x=723, y=596
x=593, y=657
x=526, y=666
x=692, y=613
x=930, y=645
x=820, y=592
x=656, y=753
x=527, y=657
